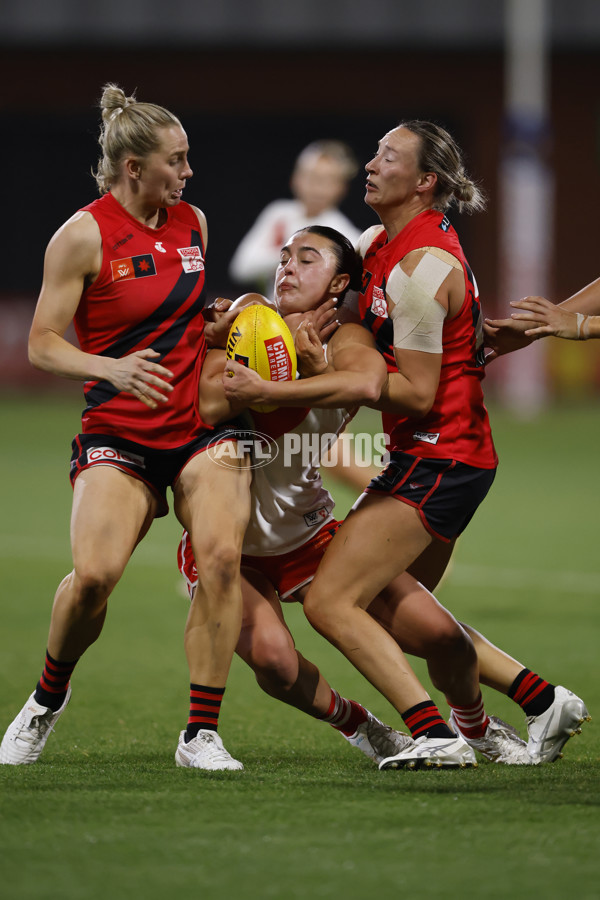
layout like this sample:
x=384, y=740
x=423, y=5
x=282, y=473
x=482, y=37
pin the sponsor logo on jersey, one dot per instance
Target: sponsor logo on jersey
x=426, y=437
x=444, y=224
x=133, y=267
x=158, y=245
x=316, y=516
x=378, y=304
x=112, y=455
x=191, y=259
x=280, y=364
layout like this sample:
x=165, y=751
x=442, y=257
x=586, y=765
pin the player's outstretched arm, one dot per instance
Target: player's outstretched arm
x=542, y=318
x=545, y=318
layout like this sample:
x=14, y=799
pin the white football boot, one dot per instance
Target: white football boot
x=550, y=731
x=377, y=740
x=433, y=753
x=205, y=751
x=500, y=743
x=26, y=735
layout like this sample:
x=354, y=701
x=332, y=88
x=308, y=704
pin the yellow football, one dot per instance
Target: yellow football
x=260, y=339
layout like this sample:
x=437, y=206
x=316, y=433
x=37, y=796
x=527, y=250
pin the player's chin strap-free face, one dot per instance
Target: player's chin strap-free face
x=416, y=315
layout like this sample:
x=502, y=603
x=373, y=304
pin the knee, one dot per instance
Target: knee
x=452, y=645
x=452, y=638
x=274, y=660
x=323, y=615
x=93, y=584
x=313, y=609
x=219, y=564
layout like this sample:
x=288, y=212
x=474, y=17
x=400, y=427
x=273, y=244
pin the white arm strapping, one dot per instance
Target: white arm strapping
x=417, y=317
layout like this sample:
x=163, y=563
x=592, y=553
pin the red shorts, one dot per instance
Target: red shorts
x=293, y=570
x=286, y=572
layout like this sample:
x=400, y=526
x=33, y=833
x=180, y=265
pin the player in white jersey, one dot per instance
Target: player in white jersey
x=291, y=527
x=292, y=521
x=411, y=614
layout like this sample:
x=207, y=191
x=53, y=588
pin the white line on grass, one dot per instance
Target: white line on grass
x=525, y=579
x=158, y=554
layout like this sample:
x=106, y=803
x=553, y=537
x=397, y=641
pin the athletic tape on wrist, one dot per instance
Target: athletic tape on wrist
x=583, y=327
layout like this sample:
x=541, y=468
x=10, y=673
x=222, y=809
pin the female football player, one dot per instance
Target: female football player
x=420, y=360
x=128, y=270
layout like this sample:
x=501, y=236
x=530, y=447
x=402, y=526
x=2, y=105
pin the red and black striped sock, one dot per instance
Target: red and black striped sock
x=425, y=718
x=532, y=693
x=205, y=706
x=472, y=720
x=51, y=689
x=345, y=715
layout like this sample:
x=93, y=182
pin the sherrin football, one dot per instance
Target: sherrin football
x=260, y=339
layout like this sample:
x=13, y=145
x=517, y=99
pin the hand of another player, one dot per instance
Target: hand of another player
x=220, y=316
x=243, y=384
x=217, y=322
x=137, y=375
x=503, y=336
x=543, y=317
x=309, y=350
x=324, y=319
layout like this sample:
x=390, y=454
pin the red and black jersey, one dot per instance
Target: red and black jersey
x=148, y=294
x=457, y=426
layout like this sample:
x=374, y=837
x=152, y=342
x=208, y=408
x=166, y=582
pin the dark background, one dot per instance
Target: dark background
x=253, y=82
x=248, y=113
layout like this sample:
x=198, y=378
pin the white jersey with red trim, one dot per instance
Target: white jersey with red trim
x=289, y=502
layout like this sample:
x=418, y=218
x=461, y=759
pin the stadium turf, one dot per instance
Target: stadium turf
x=105, y=812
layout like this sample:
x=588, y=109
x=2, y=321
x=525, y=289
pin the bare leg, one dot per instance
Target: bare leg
x=213, y=503
x=111, y=512
x=423, y=627
x=497, y=669
x=369, y=551
x=430, y=566
x=267, y=646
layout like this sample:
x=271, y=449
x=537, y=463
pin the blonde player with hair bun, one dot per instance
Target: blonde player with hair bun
x=128, y=271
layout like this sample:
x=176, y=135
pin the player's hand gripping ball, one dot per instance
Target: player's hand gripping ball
x=260, y=339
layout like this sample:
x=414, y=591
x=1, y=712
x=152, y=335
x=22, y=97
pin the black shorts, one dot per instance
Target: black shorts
x=158, y=469
x=444, y=491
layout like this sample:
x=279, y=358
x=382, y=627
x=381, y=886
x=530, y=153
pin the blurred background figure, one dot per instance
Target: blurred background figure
x=320, y=180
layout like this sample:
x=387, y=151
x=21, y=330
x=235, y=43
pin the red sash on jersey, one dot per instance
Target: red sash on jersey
x=147, y=295
x=457, y=426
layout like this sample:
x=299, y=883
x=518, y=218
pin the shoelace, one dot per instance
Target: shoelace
x=216, y=753
x=34, y=730
x=377, y=734
x=514, y=750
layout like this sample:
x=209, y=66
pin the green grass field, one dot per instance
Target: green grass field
x=105, y=812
